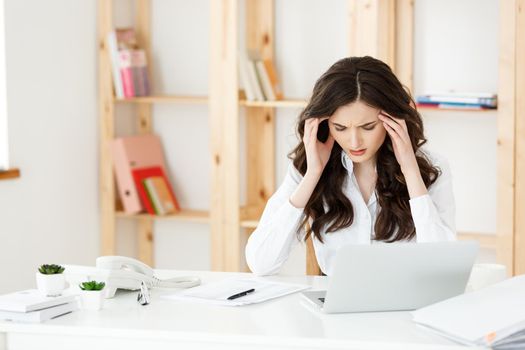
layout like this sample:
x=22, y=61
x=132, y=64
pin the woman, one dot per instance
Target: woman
x=359, y=176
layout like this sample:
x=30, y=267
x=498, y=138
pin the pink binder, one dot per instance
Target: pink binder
x=130, y=153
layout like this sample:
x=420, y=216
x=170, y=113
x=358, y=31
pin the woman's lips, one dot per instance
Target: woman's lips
x=358, y=152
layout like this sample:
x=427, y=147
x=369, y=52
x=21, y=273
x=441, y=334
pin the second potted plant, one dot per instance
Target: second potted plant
x=92, y=295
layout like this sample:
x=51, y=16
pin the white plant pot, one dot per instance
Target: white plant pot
x=50, y=285
x=483, y=275
x=92, y=299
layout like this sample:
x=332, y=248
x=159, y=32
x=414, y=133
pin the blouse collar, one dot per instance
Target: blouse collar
x=347, y=162
x=349, y=166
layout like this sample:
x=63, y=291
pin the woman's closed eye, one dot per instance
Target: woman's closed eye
x=366, y=127
x=369, y=127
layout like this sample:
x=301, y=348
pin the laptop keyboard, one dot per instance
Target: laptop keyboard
x=321, y=299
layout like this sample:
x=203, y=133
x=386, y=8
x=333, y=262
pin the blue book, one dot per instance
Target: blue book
x=458, y=100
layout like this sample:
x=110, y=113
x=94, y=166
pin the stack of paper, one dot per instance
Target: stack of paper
x=493, y=316
x=217, y=293
x=31, y=306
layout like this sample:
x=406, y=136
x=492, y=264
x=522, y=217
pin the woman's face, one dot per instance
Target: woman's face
x=356, y=128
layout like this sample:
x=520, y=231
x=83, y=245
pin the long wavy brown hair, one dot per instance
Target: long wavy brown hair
x=371, y=81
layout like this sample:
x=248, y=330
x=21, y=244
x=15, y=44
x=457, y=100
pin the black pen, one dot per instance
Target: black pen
x=241, y=294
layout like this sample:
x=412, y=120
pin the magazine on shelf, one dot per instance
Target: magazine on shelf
x=460, y=99
x=129, y=64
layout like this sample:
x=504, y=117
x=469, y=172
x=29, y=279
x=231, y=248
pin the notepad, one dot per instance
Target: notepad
x=31, y=300
x=493, y=316
x=217, y=293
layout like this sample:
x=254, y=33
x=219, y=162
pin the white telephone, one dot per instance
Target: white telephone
x=124, y=273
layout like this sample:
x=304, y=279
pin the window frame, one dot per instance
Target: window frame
x=4, y=136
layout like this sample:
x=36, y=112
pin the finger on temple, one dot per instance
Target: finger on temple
x=385, y=114
x=313, y=131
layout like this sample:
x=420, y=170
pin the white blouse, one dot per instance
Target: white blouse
x=270, y=244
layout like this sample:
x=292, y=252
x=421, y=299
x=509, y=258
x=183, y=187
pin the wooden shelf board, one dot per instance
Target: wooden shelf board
x=486, y=240
x=189, y=215
x=272, y=104
x=198, y=100
x=472, y=110
x=9, y=174
x=303, y=103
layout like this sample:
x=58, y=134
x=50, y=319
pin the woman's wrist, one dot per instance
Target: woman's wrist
x=415, y=184
x=410, y=168
x=305, y=189
x=312, y=175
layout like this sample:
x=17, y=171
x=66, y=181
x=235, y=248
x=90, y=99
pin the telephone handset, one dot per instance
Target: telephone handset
x=120, y=272
x=128, y=273
x=124, y=263
x=323, y=131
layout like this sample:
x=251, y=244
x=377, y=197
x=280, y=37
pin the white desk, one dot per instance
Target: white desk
x=283, y=323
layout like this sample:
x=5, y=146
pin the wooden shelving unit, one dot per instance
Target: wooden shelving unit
x=198, y=216
x=381, y=28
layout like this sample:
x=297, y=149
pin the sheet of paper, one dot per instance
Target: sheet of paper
x=217, y=293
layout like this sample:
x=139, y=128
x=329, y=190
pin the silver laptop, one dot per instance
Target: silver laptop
x=398, y=276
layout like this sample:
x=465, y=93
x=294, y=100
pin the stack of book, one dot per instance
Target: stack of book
x=31, y=307
x=258, y=78
x=491, y=316
x=142, y=180
x=129, y=64
x=459, y=100
x=155, y=191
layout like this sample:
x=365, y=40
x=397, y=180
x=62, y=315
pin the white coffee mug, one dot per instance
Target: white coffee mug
x=484, y=275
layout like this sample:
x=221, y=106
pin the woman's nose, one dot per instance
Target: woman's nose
x=354, y=140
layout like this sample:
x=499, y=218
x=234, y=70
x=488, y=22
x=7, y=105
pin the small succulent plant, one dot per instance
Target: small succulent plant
x=92, y=285
x=51, y=269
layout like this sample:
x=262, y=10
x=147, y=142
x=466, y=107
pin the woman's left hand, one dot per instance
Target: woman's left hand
x=398, y=131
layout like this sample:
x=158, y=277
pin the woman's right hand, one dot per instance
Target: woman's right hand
x=317, y=153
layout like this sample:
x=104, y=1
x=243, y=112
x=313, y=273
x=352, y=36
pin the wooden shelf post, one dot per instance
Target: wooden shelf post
x=107, y=132
x=372, y=29
x=404, y=42
x=224, y=126
x=511, y=139
x=145, y=126
x=260, y=121
x=519, y=241
x=384, y=29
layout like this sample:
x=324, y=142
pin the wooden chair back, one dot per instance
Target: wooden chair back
x=312, y=267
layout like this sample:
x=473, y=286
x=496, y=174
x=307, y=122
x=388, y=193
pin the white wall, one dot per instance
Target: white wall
x=50, y=214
